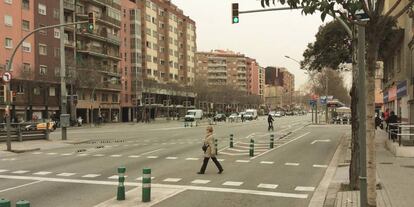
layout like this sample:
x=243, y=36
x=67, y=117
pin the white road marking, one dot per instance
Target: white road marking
x=134, y=156
x=20, y=171
x=243, y=161
x=152, y=157
x=8, y=159
x=151, y=151
x=91, y=175
x=67, y=154
x=171, y=158
x=321, y=140
x=292, y=164
x=140, y=178
x=98, y=155
x=232, y=183
x=1, y=191
x=303, y=188
x=37, y=153
x=232, y=154
x=173, y=180
x=320, y=166
x=66, y=174
x=116, y=177
x=116, y=156
x=267, y=162
x=200, y=181
x=82, y=155
x=52, y=153
x=280, y=145
x=192, y=158
x=267, y=186
x=42, y=173
x=220, y=160
x=137, y=184
x=3, y=170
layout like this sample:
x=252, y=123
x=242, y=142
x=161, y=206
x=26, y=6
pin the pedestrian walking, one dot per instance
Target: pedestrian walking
x=209, y=151
x=270, y=122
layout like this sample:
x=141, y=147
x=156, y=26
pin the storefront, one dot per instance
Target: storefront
x=402, y=101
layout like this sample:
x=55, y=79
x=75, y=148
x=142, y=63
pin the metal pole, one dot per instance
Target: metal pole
x=326, y=96
x=63, y=95
x=362, y=115
x=266, y=10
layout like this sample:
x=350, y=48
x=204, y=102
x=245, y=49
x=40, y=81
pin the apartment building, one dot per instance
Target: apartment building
x=255, y=78
x=279, y=76
x=164, y=59
x=93, y=58
x=220, y=67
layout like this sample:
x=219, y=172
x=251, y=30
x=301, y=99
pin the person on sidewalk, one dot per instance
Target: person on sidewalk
x=210, y=152
x=393, y=119
x=270, y=122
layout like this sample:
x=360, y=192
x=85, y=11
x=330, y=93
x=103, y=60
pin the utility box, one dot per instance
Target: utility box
x=65, y=120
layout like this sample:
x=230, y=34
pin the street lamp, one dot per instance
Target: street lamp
x=113, y=81
x=288, y=57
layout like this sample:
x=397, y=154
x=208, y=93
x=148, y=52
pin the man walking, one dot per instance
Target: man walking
x=270, y=122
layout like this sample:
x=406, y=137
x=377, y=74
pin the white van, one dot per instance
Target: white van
x=193, y=114
x=251, y=114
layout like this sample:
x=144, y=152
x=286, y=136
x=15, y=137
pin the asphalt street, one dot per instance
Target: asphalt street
x=86, y=174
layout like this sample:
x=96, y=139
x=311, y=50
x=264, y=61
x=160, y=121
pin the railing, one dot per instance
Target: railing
x=400, y=131
x=22, y=131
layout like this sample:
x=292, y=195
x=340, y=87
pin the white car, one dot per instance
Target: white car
x=277, y=114
x=233, y=117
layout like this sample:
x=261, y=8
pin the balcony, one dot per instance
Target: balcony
x=112, y=3
x=69, y=43
x=101, y=35
x=99, y=52
x=69, y=5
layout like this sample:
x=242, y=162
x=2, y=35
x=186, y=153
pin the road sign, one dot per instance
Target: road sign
x=6, y=77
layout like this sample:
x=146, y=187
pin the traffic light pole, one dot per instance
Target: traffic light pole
x=266, y=10
x=10, y=63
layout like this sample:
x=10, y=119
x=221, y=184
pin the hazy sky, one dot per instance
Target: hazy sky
x=266, y=36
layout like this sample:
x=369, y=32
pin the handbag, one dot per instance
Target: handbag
x=204, y=147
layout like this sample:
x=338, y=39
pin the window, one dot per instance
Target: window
x=57, y=71
x=8, y=20
x=114, y=97
x=42, y=9
x=8, y=1
x=43, y=70
x=8, y=43
x=148, y=44
x=56, y=13
x=27, y=47
x=42, y=32
x=42, y=49
x=7, y=63
x=155, y=59
x=26, y=67
x=147, y=18
x=56, y=33
x=25, y=25
x=52, y=91
x=149, y=58
x=36, y=91
x=153, y=20
x=25, y=4
x=104, y=97
x=20, y=88
x=56, y=52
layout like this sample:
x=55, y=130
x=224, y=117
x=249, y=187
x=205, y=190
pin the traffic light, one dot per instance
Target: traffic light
x=235, y=13
x=91, y=22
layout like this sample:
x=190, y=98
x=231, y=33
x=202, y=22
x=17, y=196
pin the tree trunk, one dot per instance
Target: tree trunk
x=372, y=51
x=354, y=167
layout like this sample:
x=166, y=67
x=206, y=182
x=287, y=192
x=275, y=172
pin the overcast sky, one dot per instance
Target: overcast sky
x=266, y=36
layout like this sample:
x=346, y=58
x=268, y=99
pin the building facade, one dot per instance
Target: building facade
x=255, y=78
x=221, y=67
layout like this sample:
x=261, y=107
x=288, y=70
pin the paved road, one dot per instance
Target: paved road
x=85, y=174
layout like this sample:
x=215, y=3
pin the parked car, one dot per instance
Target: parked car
x=40, y=126
x=277, y=114
x=272, y=113
x=289, y=113
x=220, y=117
x=233, y=117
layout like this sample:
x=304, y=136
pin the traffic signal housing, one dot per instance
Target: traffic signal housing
x=235, y=13
x=91, y=22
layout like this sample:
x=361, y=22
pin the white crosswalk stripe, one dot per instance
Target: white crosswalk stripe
x=304, y=188
x=66, y=174
x=3, y=170
x=91, y=176
x=171, y=158
x=267, y=186
x=52, y=153
x=37, y=153
x=243, y=161
x=267, y=162
x=320, y=166
x=140, y=178
x=116, y=176
x=200, y=181
x=152, y=157
x=42, y=173
x=232, y=183
x=82, y=155
x=292, y=164
x=116, y=156
x=134, y=156
x=173, y=180
x=192, y=158
x=98, y=155
x=67, y=154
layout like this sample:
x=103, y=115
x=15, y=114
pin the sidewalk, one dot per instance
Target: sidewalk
x=393, y=173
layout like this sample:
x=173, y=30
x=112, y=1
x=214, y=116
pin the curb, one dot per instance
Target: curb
x=25, y=150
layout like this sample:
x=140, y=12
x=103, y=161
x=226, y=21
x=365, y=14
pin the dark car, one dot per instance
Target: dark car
x=220, y=117
x=289, y=113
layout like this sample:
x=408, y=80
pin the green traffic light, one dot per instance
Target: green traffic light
x=90, y=27
x=235, y=19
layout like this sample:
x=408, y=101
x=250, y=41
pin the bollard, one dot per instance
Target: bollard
x=185, y=124
x=22, y=203
x=4, y=203
x=146, y=185
x=215, y=145
x=120, y=196
x=272, y=141
x=19, y=133
x=231, y=140
x=251, y=150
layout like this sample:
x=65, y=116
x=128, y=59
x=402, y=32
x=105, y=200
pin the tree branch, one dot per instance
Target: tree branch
x=379, y=7
x=365, y=7
x=343, y=15
x=392, y=8
x=403, y=10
